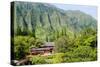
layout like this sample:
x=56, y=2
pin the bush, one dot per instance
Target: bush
x=58, y=58
x=82, y=53
x=22, y=45
x=63, y=44
x=38, y=60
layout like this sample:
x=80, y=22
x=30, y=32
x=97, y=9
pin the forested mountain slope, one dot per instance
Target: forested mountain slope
x=47, y=22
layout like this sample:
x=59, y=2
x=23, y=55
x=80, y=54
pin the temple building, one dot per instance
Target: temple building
x=45, y=49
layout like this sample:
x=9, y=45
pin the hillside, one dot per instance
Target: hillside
x=46, y=21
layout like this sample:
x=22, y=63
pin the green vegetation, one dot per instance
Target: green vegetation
x=23, y=44
x=80, y=54
x=73, y=32
x=81, y=48
x=48, y=23
x=38, y=60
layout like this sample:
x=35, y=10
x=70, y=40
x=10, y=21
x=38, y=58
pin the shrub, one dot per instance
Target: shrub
x=38, y=60
x=58, y=58
x=63, y=44
x=22, y=45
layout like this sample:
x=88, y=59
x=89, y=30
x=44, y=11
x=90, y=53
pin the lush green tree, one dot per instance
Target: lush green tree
x=63, y=44
x=23, y=44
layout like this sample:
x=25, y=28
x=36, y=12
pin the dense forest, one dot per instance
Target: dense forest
x=73, y=32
